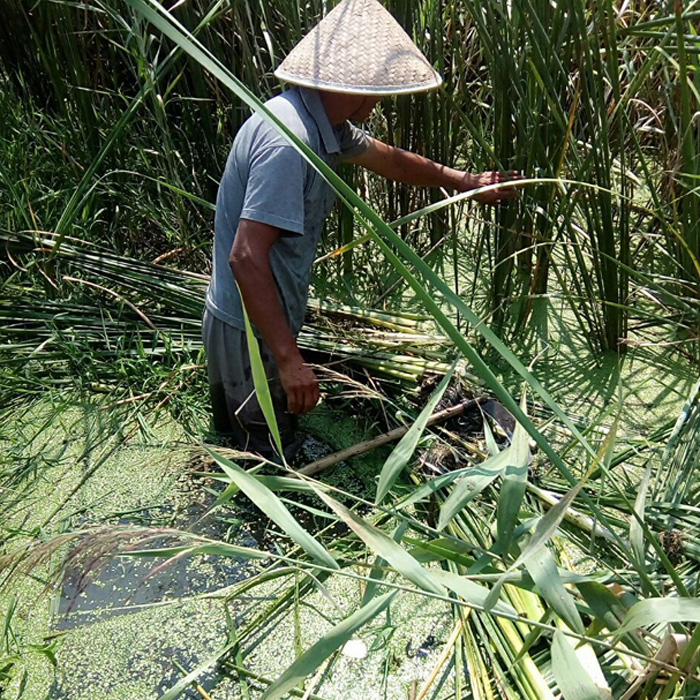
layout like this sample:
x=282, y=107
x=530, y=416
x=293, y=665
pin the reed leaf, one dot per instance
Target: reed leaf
x=403, y=452
x=472, y=483
x=654, y=611
x=571, y=676
x=274, y=509
x=333, y=640
x=513, y=486
x=548, y=524
x=385, y=547
x=260, y=381
x=541, y=566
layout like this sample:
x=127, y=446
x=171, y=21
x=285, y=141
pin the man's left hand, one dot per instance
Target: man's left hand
x=474, y=181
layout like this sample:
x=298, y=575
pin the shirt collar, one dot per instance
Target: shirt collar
x=312, y=102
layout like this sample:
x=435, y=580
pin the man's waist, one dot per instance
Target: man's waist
x=233, y=318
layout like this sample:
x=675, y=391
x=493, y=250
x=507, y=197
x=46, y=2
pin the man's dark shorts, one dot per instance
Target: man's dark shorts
x=237, y=415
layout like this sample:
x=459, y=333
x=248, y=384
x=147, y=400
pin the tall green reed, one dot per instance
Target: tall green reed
x=549, y=90
x=366, y=215
x=507, y=649
x=565, y=85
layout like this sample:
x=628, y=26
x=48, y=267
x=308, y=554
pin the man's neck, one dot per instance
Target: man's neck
x=339, y=106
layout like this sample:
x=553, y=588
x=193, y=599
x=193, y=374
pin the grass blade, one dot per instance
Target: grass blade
x=572, y=678
x=385, y=547
x=543, y=569
x=514, y=485
x=403, y=452
x=274, y=509
x=378, y=569
x=549, y=523
x=315, y=655
x=262, y=389
x=470, y=591
x=471, y=485
x=653, y=611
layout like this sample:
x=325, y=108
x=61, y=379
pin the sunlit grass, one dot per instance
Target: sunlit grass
x=595, y=102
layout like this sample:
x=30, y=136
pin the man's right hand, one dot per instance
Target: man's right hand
x=300, y=384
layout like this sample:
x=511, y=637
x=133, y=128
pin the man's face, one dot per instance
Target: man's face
x=365, y=105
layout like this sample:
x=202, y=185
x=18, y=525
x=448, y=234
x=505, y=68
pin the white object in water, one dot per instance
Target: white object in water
x=355, y=649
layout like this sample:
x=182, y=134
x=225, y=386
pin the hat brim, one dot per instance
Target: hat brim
x=379, y=91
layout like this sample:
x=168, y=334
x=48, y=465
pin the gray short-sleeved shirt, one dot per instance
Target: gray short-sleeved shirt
x=266, y=180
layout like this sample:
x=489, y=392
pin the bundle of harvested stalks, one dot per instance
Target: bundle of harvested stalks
x=64, y=295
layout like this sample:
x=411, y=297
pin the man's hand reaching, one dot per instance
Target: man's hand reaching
x=300, y=384
x=413, y=169
x=473, y=181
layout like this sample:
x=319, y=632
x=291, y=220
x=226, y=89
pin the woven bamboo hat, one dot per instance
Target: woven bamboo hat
x=359, y=48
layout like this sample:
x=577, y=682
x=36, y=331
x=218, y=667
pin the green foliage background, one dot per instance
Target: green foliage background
x=113, y=139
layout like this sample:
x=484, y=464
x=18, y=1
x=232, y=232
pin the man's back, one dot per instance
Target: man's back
x=268, y=181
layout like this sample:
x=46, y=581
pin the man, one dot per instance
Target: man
x=272, y=204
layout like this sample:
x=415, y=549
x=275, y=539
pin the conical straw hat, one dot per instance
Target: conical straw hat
x=359, y=48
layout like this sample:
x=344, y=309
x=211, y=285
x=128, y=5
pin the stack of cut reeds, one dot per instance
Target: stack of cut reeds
x=75, y=293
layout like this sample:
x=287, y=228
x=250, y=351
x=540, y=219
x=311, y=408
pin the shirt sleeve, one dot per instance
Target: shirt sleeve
x=352, y=141
x=274, y=192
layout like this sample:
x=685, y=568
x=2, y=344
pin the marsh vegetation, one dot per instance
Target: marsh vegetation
x=557, y=559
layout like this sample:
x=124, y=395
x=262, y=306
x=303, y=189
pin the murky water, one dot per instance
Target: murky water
x=128, y=583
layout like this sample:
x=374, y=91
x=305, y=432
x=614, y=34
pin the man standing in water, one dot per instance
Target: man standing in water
x=272, y=204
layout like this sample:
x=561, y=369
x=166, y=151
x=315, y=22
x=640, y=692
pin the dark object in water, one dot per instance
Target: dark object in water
x=501, y=416
x=672, y=542
x=428, y=644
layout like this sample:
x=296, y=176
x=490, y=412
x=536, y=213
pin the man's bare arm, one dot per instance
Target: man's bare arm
x=413, y=169
x=250, y=263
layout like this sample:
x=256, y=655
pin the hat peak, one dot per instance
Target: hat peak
x=358, y=47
